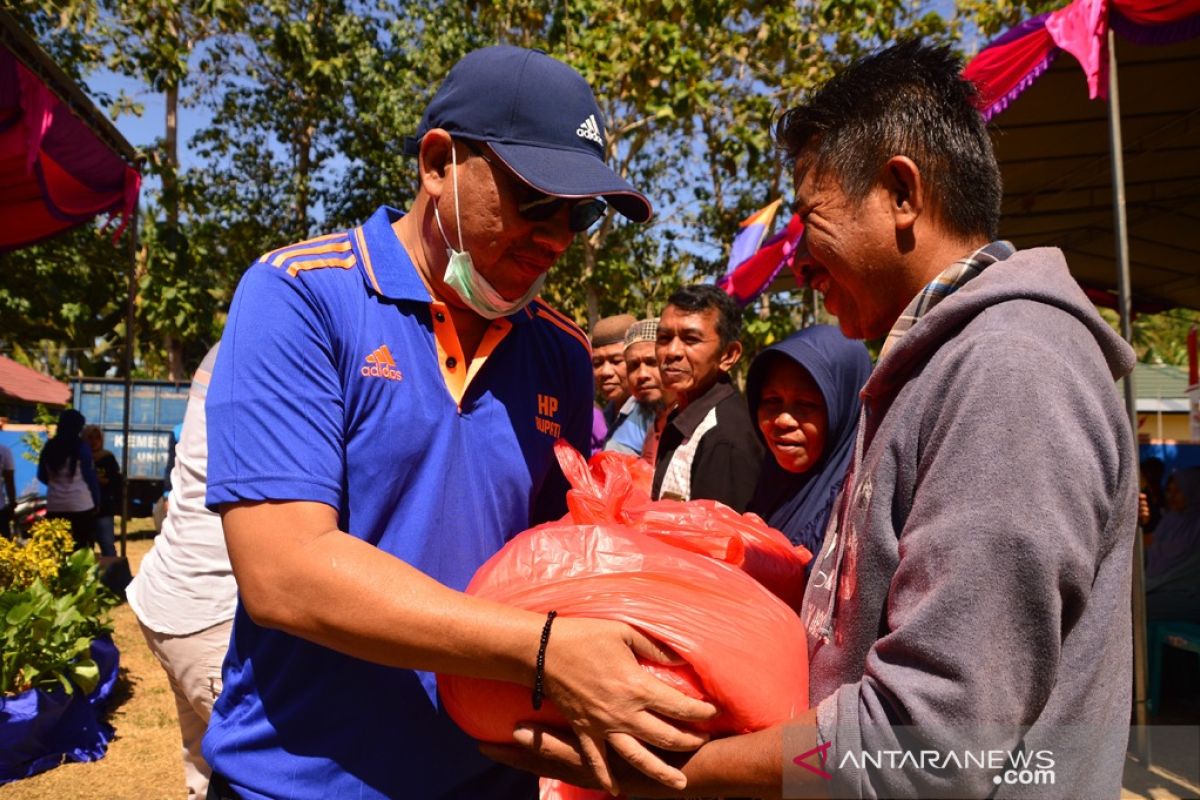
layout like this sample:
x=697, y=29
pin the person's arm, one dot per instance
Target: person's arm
x=750, y=765
x=43, y=474
x=298, y=573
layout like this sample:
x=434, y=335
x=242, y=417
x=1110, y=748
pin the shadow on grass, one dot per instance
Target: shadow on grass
x=123, y=692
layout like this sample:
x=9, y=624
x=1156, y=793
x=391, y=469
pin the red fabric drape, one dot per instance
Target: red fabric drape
x=55, y=172
x=1156, y=12
x=1000, y=70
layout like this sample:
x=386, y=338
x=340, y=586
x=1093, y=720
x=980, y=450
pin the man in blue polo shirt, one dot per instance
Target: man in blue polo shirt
x=381, y=421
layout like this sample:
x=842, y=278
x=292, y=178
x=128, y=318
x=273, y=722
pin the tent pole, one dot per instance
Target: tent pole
x=129, y=312
x=1120, y=225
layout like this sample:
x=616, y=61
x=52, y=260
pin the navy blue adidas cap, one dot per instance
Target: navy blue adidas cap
x=540, y=118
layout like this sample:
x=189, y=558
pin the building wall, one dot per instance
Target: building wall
x=1168, y=426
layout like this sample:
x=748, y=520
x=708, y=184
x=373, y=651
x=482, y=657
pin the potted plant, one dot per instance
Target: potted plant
x=58, y=664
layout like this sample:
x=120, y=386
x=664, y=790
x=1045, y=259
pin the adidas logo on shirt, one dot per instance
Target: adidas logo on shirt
x=588, y=129
x=381, y=365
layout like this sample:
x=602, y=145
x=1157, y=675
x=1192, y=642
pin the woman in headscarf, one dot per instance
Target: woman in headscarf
x=72, y=491
x=1173, y=559
x=803, y=396
x=108, y=475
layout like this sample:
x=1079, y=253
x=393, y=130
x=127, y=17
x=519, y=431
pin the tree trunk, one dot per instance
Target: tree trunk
x=171, y=158
x=171, y=343
x=593, y=297
x=303, y=167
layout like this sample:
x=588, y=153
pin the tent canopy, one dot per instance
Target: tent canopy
x=61, y=162
x=1054, y=149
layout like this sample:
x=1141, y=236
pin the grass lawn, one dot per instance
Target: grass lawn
x=143, y=760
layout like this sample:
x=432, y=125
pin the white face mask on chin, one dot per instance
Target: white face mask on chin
x=475, y=291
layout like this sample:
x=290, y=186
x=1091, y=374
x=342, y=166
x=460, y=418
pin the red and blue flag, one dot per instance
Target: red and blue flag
x=753, y=263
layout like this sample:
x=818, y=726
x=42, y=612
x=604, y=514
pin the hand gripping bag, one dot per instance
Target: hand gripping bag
x=685, y=574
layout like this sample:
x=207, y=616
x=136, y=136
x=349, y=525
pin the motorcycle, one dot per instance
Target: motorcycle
x=29, y=509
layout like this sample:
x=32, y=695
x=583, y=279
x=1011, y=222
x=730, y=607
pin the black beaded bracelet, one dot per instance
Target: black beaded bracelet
x=541, y=662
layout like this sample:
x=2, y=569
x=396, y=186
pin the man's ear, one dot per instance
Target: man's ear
x=732, y=354
x=434, y=160
x=906, y=190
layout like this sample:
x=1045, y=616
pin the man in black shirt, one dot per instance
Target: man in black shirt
x=708, y=448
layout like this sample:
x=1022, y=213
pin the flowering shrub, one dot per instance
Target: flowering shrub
x=52, y=604
x=40, y=557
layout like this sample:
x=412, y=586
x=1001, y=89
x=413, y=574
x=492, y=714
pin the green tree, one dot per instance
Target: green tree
x=62, y=303
x=1159, y=338
x=311, y=101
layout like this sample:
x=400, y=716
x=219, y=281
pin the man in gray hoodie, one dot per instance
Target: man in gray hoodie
x=975, y=582
x=969, y=612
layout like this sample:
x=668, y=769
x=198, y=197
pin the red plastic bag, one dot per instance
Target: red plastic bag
x=682, y=573
x=615, y=488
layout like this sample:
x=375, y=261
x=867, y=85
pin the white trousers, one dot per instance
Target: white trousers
x=193, y=667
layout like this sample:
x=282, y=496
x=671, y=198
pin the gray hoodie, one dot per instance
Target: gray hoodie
x=982, y=561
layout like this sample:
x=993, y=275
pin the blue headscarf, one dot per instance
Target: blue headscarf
x=799, y=504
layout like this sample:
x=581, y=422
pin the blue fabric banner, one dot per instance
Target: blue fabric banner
x=40, y=730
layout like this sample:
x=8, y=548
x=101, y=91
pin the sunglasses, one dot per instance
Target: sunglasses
x=539, y=207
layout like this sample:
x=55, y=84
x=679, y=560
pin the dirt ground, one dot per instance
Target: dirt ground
x=143, y=760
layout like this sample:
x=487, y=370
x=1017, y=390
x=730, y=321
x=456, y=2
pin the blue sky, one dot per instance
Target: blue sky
x=141, y=131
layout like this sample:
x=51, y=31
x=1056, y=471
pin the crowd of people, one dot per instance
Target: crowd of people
x=781, y=451
x=381, y=418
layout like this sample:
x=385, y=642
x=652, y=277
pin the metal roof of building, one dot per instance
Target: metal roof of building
x=24, y=385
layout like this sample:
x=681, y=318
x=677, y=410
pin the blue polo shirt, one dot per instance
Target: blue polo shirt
x=340, y=381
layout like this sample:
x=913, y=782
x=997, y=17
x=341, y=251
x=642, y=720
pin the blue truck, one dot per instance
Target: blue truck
x=157, y=408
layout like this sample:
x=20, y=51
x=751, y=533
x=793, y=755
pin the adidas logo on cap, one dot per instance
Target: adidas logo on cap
x=588, y=129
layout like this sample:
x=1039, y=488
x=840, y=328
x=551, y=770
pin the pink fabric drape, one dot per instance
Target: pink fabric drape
x=1007, y=66
x=1081, y=29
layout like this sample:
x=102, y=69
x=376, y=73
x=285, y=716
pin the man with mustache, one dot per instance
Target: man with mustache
x=708, y=448
x=382, y=418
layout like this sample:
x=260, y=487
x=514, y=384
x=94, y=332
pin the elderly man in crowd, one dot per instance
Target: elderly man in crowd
x=645, y=386
x=608, y=370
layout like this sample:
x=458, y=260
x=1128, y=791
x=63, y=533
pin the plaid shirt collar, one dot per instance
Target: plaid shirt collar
x=947, y=283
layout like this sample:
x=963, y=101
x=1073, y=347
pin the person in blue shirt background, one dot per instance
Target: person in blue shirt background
x=381, y=421
x=646, y=391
